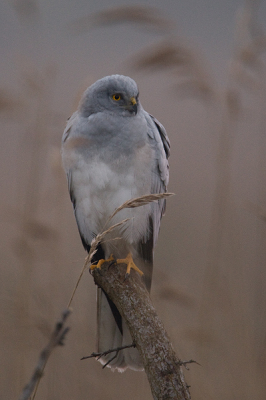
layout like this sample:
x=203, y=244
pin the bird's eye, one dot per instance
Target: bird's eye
x=116, y=97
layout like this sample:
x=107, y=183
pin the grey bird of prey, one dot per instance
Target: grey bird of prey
x=114, y=151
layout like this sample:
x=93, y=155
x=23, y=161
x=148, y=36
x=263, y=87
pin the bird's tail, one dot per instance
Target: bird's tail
x=112, y=332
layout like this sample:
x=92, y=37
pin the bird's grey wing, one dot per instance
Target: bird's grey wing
x=85, y=242
x=70, y=122
x=159, y=141
x=68, y=134
x=163, y=135
x=161, y=144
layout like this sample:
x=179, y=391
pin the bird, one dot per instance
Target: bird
x=113, y=151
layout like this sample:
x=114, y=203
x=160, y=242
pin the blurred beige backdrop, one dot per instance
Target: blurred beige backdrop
x=200, y=68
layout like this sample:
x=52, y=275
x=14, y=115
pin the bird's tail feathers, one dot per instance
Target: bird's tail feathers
x=109, y=336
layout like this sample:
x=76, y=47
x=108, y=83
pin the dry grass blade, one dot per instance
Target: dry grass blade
x=99, y=237
x=141, y=201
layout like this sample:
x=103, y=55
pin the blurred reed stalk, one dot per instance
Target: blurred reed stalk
x=36, y=137
x=246, y=73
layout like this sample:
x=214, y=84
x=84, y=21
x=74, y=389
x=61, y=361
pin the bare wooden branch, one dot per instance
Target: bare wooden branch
x=56, y=339
x=162, y=366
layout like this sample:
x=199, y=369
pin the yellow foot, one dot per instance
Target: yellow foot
x=100, y=262
x=130, y=264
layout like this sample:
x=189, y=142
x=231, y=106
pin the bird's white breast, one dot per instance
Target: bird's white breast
x=100, y=187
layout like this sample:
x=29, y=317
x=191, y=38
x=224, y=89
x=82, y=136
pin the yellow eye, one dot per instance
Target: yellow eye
x=116, y=97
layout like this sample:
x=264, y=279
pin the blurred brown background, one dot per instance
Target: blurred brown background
x=200, y=68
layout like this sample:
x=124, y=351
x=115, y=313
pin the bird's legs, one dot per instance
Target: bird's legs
x=129, y=263
x=100, y=262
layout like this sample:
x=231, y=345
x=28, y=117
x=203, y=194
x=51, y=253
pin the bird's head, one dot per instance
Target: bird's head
x=115, y=93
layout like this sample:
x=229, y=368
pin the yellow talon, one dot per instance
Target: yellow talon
x=130, y=264
x=101, y=262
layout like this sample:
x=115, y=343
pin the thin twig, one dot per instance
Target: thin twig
x=184, y=363
x=104, y=353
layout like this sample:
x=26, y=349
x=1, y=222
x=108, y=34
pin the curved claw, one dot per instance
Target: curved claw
x=101, y=262
x=129, y=263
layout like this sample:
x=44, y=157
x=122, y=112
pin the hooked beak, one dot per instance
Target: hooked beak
x=133, y=106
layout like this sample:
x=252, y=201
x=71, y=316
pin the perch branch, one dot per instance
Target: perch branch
x=162, y=366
